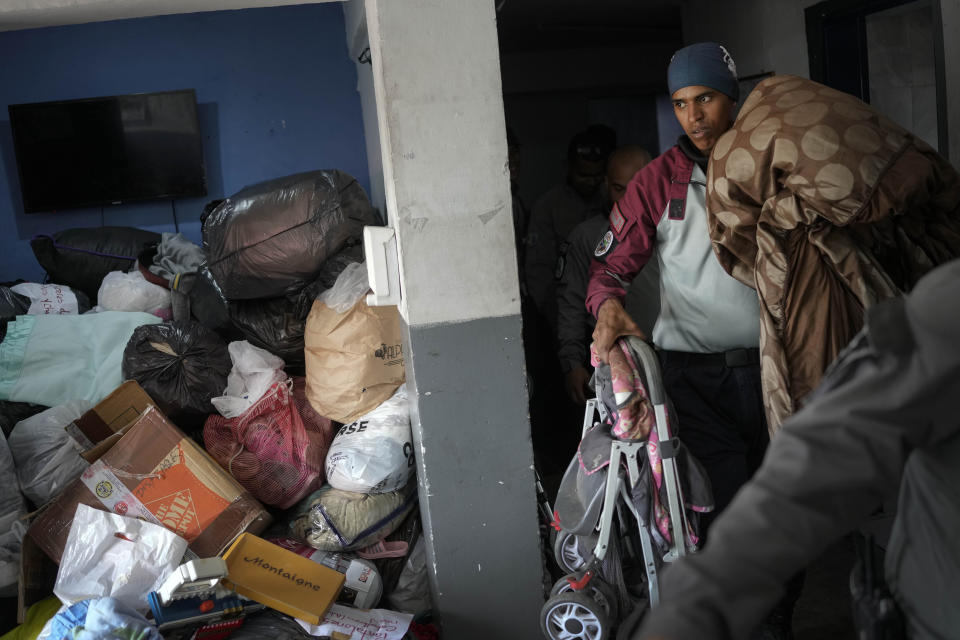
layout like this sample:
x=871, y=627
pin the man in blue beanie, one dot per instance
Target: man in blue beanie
x=707, y=332
x=708, y=322
x=702, y=79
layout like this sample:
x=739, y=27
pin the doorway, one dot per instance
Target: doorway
x=888, y=53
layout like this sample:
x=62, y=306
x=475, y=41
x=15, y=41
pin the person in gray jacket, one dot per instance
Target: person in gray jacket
x=884, y=420
x=574, y=322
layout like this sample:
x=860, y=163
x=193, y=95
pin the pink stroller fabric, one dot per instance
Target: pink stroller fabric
x=634, y=419
x=320, y=430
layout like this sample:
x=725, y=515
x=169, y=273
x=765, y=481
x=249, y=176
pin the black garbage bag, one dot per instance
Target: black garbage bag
x=267, y=624
x=329, y=272
x=278, y=324
x=80, y=258
x=207, y=304
x=11, y=305
x=13, y=412
x=274, y=324
x=271, y=239
x=182, y=365
x=83, y=302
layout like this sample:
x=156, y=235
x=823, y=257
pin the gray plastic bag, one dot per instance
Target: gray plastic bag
x=45, y=455
x=12, y=526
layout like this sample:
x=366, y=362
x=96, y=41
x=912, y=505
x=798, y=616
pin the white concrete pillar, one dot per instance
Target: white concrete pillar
x=358, y=48
x=440, y=110
x=439, y=107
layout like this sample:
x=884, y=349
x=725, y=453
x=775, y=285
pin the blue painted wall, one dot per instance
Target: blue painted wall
x=276, y=94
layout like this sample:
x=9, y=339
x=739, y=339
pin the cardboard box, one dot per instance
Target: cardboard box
x=155, y=471
x=37, y=577
x=102, y=426
x=281, y=579
x=113, y=413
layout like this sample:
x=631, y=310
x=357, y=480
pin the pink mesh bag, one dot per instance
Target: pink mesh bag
x=267, y=449
x=320, y=430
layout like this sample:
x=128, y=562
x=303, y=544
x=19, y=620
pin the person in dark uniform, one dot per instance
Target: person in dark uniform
x=574, y=322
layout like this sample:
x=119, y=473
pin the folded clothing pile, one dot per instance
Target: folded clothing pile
x=107, y=462
x=53, y=359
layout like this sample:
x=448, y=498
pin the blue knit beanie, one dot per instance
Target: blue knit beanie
x=705, y=64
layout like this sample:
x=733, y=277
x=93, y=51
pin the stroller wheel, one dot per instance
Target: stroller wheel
x=597, y=589
x=574, y=616
x=572, y=551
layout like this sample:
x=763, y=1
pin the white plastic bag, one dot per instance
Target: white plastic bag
x=116, y=556
x=254, y=371
x=121, y=291
x=351, y=285
x=44, y=452
x=375, y=453
x=48, y=298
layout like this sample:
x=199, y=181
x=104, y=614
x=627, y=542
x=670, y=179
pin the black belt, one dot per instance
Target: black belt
x=732, y=358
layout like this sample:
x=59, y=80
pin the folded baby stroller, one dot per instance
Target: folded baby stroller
x=631, y=485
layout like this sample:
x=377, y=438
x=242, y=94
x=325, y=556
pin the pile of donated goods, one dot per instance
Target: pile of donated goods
x=210, y=441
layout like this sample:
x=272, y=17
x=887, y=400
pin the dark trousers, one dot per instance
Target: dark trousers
x=555, y=421
x=718, y=413
x=717, y=410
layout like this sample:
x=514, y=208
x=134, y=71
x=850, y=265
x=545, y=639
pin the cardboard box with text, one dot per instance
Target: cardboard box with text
x=157, y=473
x=281, y=579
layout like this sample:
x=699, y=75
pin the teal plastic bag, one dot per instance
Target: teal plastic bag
x=53, y=359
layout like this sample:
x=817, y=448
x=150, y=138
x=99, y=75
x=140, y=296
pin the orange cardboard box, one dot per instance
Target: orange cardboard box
x=157, y=473
x=281, y=579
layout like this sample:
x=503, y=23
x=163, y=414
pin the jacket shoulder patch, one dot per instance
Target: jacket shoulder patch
x=603, y=247
x=617, y=220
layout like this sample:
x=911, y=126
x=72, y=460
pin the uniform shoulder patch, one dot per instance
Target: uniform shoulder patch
x=604, y=245
x=616, y=219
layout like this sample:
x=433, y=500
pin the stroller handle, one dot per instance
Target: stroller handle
x=651, y=367
x=657, y=396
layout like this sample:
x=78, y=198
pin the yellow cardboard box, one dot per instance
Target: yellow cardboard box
x=281, y=579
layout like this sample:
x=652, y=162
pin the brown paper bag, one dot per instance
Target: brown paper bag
x=354, y=360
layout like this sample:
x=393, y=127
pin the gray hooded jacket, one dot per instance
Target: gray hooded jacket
x=884, y=420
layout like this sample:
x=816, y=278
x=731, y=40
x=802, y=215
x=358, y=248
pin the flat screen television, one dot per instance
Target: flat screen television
x=110, y=150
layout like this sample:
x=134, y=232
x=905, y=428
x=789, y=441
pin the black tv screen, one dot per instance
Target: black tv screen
x=109, y=150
